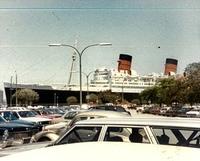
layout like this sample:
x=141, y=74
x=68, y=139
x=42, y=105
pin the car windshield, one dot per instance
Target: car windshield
x=8, y=115
x=70, y=114
x=27, y=114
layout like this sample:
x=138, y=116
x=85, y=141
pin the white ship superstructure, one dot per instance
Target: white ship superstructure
x=105, y=79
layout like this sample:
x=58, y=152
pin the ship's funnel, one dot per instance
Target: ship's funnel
x=124, y=63
x=171, y=66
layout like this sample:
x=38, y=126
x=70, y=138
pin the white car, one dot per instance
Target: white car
x=149, y=130
x=107, y=151
x=193, y=113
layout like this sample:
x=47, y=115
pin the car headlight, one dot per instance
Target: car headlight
x=5, y=135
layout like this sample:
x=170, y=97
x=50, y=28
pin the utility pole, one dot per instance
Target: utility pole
x=11, y=91
x=16, y=99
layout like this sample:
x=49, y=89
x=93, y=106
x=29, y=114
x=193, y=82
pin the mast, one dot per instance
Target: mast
x=72, y=65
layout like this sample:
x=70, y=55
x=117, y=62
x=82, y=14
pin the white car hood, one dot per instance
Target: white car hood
x=100, y=151
x=35, y=119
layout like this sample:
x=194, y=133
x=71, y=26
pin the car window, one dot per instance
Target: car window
x=81, y=134
x=8, y=116
x=27, y=114
x=177, y=136
x=15, y=114
x=70, y=115
x=126, y=134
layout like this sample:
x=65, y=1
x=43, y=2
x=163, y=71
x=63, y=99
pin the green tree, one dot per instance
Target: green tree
x=108, y=97
x=166, y=91
x=71, y=100
x=150, y=94
x=26, y=96
x=192, y=72
x=92, y=98
x=181, y=88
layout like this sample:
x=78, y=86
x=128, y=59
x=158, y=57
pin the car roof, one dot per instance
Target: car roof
x=99, y=151
x=103, y=113
x=145, y=121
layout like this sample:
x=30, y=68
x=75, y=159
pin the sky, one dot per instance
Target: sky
x=148, y=30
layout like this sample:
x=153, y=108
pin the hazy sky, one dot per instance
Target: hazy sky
x=135, y=27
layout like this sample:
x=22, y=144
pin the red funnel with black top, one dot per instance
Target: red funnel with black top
x=170, y=66
x=124, y=63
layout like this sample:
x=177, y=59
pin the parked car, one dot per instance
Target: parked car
x=168, y=131
x=116, y=151
x=47, y=113
x=110, y=108
x=68, y=116
x=15, y=133
x=29, y=115
x=183, y=112
x=172, y=112
x=193, y=113
x=52, y=132
x=10, y=117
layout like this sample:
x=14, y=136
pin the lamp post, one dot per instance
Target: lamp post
x=11, y=91
x=16, y=94
x=80, y=53
x=87, y=77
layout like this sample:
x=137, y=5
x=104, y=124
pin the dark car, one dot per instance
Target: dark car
x=16, y=133
x=182, y=112
x=110, y=108
x=173, y=112
x=10, y=117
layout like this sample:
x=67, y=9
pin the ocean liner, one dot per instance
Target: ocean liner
x=122, y=80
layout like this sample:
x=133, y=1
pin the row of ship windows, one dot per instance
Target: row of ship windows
x=124, y=84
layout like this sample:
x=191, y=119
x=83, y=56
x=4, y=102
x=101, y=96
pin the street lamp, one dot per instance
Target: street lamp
x=80, y=53
x=87, y=77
